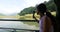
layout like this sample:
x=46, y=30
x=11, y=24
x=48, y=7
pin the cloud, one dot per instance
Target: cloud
x=33, y=2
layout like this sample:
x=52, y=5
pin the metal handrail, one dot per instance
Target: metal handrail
x=18, y=29
x=18, y=20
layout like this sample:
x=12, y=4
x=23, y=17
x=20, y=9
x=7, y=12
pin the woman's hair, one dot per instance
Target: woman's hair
x=43, y=9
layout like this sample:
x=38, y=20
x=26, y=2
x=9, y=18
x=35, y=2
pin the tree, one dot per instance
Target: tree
x=28, y=10
x=51, y=5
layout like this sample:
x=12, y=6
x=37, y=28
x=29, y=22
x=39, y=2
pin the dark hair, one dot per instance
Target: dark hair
x=43, y=9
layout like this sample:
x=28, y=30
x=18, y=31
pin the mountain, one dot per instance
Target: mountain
x=2, y=14
x=13, y=14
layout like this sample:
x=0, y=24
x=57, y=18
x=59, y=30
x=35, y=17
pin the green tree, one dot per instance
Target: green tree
x=28, y=10
x=51, y=5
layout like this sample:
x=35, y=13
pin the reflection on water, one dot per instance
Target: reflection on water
x=16, y=24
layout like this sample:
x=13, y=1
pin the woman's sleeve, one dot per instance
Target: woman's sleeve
x=46, y=24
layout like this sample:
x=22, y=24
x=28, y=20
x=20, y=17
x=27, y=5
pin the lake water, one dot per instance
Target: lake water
x=16, y=24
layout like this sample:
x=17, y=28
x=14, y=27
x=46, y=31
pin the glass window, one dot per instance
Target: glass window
x=22, y=10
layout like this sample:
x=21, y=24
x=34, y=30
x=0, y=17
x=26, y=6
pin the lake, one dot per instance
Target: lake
x=15, y=24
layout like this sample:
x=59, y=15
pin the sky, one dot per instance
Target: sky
x=15, y=6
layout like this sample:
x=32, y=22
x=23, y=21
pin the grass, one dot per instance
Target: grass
x=53, y=13
x=8, y=17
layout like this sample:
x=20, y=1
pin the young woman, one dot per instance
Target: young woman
x=46, y=21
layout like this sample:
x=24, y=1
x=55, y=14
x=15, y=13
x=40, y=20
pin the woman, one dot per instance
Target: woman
x=46, y=19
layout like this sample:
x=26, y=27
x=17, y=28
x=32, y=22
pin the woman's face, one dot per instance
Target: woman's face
x=39, y=13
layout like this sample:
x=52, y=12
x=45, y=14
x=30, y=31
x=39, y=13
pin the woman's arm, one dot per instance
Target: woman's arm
x=35, y=17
